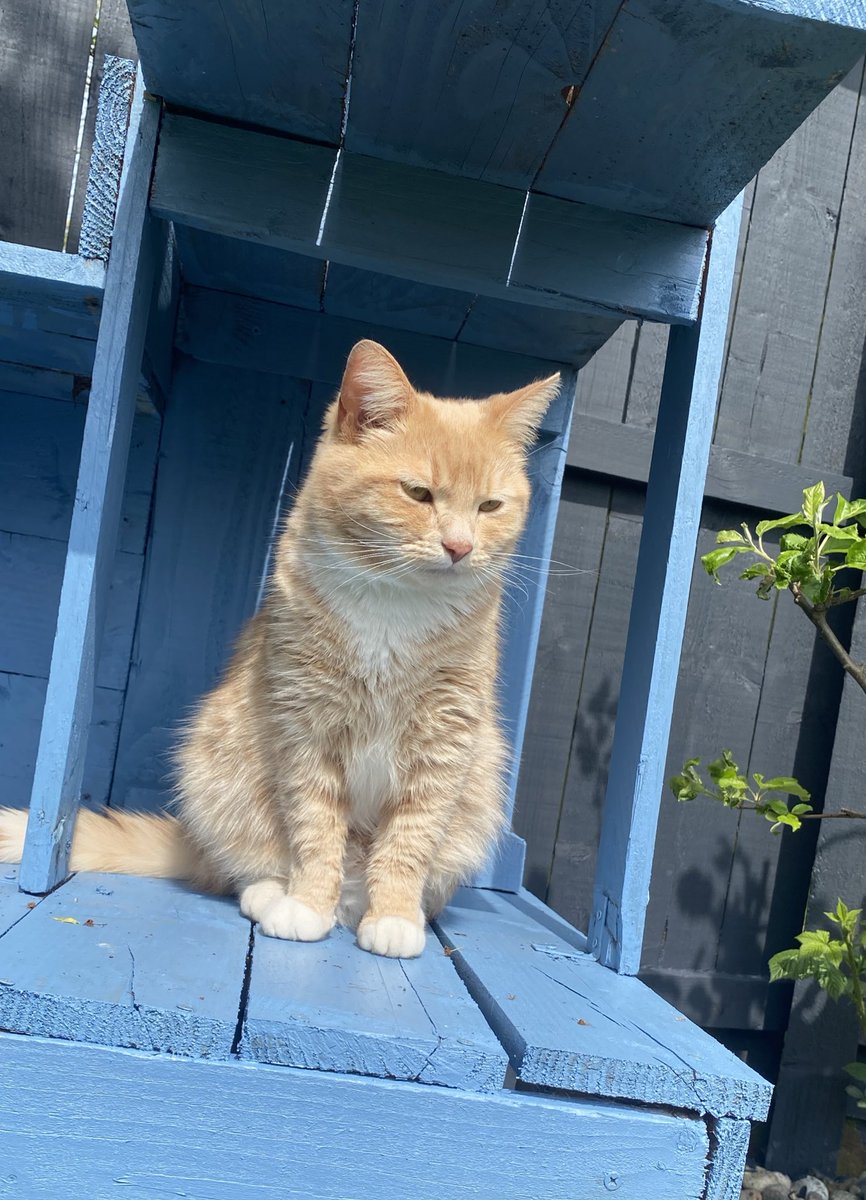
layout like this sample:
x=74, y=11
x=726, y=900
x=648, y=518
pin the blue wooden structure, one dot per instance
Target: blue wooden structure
x=489, y=189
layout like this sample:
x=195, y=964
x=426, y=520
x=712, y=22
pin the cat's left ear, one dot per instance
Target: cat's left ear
x=374, y=393
x=520, y=413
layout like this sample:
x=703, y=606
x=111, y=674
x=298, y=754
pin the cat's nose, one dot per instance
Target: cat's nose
x=456, y=549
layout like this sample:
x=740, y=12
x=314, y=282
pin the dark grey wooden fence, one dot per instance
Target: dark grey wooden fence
x=725, y=894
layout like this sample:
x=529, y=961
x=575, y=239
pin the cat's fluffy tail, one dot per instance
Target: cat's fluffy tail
x=119, y=843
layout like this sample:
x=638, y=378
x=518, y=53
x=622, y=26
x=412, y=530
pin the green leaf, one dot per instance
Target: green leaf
x=786, y=784
x=814, y=503
x=794, y=541
x=799, y=809
x=717, y=558
x=780, y=523
x=857, y=1070
x=730, y=535
x=847, y=533
x=688, y=785
x=757, y=571
x=856, y=556
x=846, y=509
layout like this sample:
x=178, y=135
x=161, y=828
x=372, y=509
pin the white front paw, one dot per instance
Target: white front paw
x=257, y=897
x=289, y=918
x=395, y=937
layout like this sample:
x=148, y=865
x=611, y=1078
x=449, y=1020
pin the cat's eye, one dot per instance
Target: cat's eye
x=416, y=492
x=489, y=505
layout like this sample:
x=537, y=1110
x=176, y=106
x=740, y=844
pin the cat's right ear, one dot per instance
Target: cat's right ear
x=375, y=392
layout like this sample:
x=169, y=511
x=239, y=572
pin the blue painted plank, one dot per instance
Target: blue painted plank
x=329, y=1006
x=424, y=225
x=108, y=427
x=730, y=1146
x=675, y=491
x=569, y=1023
x=239, y=331
x=472, y=88
x=159, y=968
x=49, y=275
x=146, y=1127
x=628, y=264
x=52, y=351
x=231, y=265
x=35, y=381
x=522, y=613
x=566, y=337
x=674, y=119
x=22, y=700
x=262, y=62
x=402, y=303
x=14, y=905
x=39, y=454
x=31, y=573
x=227, y=437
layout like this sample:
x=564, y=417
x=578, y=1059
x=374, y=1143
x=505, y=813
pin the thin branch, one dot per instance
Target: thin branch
x=818, y=616
x=837, y=599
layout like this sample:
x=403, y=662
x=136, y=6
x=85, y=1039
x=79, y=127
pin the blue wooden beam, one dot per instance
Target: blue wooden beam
x=658, y=615
x=424, y=225
x=90, y=556
x=524, y=604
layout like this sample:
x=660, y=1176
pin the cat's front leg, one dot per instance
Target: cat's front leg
x=398, y=868
x=304, y=909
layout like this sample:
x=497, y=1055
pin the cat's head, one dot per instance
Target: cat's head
x=411, y=487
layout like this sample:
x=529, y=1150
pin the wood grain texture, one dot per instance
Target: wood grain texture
x=569, y=1023
x=418, y=75
x=106, y=157
x=329, y=1006
x=22, y=700
x=658, y=614
x=39, y=456
x=43, y=61
x=31, y=575
x=36, y=381
x=664, y=261
x=423, y=225
x=50, y=277
x=227, y=437
x=265, y=64
x=767, y=388
x=624, y=451
x=47, y=350
x=124, y=1120
x=93, y=533
x=730, y=1142
x=745, y=105
x=832, y=439
x=157, y=968
x=113, y=39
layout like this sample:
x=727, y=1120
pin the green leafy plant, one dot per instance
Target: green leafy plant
x=838, y=965
x=729, y=786
x=811, y=553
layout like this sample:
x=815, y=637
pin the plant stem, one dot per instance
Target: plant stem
x=818, y=616
x=847, y=814
x=857, y=999
x=834, y=600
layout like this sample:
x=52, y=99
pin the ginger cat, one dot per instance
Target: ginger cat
x=349, y=765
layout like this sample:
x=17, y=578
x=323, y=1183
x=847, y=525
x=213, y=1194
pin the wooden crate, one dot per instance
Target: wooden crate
x=495, y=192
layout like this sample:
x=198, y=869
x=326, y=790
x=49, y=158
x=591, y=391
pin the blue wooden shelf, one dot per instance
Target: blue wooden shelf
x=490, y=190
